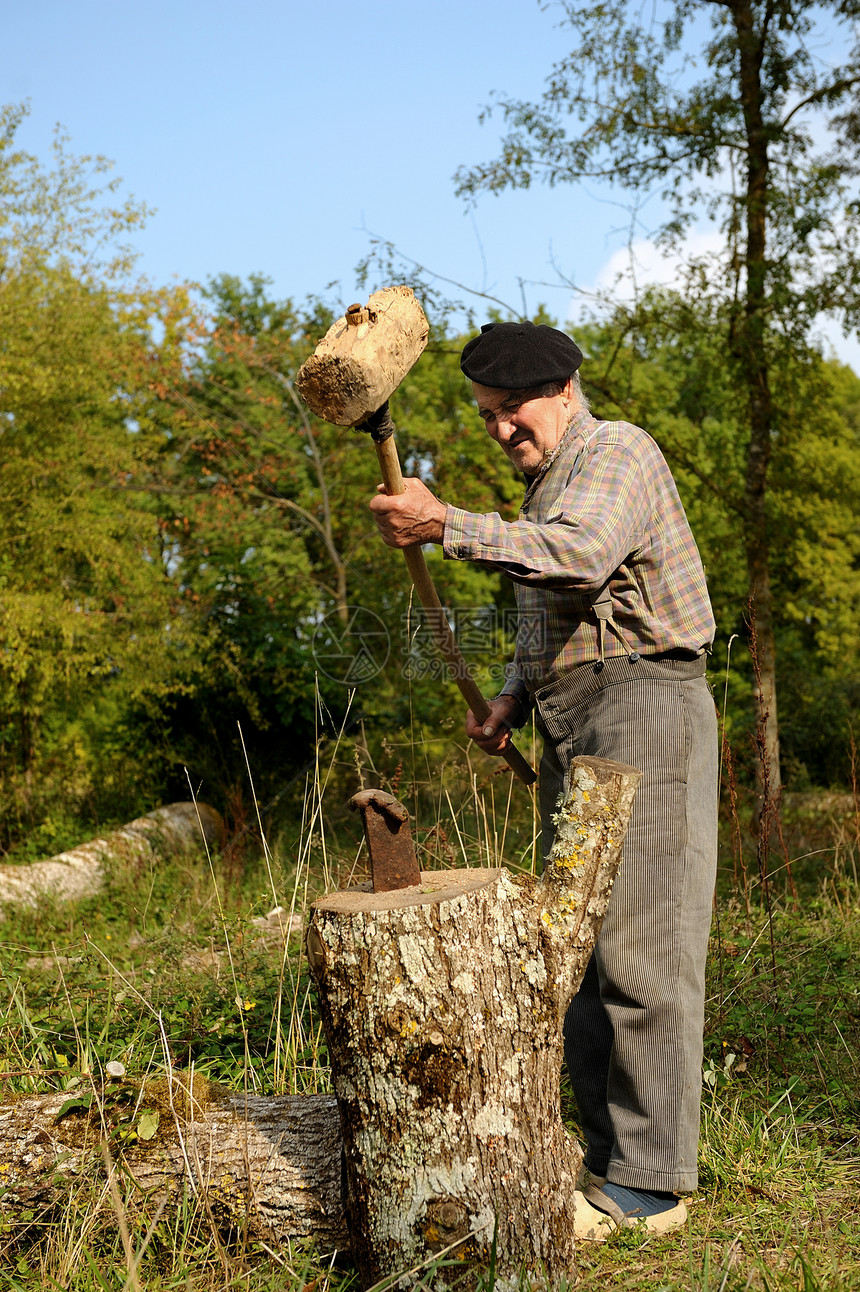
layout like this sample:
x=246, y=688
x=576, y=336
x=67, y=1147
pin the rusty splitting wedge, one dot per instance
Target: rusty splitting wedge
x=360, y=361
x=389, y=840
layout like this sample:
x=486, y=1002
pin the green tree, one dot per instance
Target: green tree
x=89, y=615
x=274, y=536
x=244, y=509
x=765, y=140
x=68, y=213
x=176, y=528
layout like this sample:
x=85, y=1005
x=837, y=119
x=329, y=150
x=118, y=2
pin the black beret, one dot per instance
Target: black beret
x=517, y=356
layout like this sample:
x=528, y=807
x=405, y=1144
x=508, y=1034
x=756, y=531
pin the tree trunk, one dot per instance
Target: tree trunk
x=81, y=871
x=270, y=1166
x=443, y=1006
x=763, y=644
x=752, y=349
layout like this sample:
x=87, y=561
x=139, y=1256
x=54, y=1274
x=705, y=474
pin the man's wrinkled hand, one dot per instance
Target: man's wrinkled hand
x=494, y=735
x=405, y=519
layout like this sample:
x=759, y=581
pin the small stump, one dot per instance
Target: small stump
x=442, y=1005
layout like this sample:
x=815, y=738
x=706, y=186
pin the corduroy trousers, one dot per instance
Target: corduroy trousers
x=633, y=1032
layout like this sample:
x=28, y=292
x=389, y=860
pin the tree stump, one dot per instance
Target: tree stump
x=442, y=1005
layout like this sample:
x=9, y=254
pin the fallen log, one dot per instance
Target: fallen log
x=81, y=871
x=270, y=1167
x=442, y=1005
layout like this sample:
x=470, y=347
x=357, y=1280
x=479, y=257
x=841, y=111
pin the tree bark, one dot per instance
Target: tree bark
x=270, y=1166
x=443, y=1006
x=752, y=349
x=81, y=871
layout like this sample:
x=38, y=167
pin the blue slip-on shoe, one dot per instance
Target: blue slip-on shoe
x=637, y=1209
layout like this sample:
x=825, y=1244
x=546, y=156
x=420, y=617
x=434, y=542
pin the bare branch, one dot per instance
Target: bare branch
x=472, y=291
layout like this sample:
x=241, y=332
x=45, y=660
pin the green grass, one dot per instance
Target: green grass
x=167, y=966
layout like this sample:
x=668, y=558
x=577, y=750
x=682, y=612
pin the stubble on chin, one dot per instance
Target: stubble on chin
x=525, y=463
x=521, y=455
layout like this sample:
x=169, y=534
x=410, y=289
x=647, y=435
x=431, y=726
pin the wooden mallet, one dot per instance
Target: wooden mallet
x=348, y=379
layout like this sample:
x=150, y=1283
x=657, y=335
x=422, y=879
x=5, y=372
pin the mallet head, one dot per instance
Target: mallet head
x=363, y=357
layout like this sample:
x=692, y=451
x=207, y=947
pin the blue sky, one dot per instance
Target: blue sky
x=277, y=136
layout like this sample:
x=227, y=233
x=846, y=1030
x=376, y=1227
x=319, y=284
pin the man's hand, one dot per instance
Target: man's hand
x=416, y=516
x=503, y=711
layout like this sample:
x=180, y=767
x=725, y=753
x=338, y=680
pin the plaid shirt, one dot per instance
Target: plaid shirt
x=603, y=513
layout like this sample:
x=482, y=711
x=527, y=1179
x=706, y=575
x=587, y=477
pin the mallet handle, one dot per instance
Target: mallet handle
x=392, y=477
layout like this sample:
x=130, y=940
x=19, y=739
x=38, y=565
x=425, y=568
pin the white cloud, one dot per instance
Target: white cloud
x=643, y=264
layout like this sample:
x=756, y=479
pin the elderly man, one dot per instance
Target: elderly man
x=613, y=629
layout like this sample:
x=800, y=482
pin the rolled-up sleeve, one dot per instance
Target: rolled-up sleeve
x=596, y=523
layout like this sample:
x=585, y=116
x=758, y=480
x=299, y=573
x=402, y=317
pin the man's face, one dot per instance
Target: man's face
x=528, y=431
